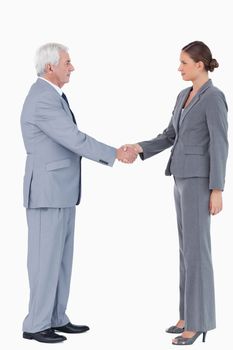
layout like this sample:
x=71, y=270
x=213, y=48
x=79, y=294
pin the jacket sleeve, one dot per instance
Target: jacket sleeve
x=159, y=143
x=53, y=120
x=216, y=117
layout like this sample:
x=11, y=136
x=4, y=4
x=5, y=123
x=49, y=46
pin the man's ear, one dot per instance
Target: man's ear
x=48, y=68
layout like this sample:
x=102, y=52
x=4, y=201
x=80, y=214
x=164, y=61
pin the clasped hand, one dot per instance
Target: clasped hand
x=128, y=153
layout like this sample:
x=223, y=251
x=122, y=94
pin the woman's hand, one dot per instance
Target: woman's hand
x=215, y=205
x=137, y=148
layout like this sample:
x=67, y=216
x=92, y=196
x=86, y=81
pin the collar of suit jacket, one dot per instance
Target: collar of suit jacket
x=204, y=87
x=49, y=85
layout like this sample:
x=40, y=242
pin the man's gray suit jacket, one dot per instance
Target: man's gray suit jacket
x=198, y=135
x=54, y=146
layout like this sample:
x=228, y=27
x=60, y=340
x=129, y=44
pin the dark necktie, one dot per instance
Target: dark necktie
x=79, y=197
x=65, y=98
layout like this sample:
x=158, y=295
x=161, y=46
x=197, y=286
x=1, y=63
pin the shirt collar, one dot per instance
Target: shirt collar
x=53, y=85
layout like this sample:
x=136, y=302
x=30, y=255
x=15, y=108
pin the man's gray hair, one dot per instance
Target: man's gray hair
x=48, y=54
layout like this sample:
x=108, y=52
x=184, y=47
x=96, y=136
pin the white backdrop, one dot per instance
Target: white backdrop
x=125, y=272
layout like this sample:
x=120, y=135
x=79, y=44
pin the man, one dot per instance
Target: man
x=52, y=188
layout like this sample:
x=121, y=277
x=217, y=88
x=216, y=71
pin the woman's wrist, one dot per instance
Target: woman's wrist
x=216, y=190
x=138, y=148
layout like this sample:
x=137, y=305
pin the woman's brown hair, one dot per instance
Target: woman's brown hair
x=199, y=51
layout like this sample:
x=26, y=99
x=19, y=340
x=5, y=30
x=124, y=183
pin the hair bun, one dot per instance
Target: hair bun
x=213, y=64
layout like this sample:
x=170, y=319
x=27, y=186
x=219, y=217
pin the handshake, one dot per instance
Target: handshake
x=128, y=153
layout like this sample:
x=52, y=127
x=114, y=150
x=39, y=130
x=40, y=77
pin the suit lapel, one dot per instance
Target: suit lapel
x=194, y=100
x=66, y=107
x=180, y=106
x=51, y=89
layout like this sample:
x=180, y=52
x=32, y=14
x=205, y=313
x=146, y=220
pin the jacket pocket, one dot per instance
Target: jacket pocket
x=59, y=164
x=189, y=149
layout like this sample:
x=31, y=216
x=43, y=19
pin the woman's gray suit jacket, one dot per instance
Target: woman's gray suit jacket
x=198, y=135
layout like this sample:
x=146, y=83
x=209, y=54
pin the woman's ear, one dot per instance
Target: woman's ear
x=200, y=65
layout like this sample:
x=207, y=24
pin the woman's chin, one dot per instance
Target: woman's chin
x=186, y=79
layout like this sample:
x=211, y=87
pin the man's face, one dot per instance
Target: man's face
x=60, y=74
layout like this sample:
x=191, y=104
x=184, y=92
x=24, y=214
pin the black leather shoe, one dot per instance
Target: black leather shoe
x=71, y=328
x=46, y=336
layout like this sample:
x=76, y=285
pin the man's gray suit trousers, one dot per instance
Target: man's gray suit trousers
x=50, y=255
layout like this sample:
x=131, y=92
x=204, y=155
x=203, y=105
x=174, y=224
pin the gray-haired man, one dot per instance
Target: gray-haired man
x=52, y=189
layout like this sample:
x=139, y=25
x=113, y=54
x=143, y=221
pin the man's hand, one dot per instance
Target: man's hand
x=215, y=205
x=126, y=154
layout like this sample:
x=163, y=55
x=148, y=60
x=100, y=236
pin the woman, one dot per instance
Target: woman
x=198, y=133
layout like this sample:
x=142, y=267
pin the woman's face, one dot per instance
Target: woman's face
x=190, y=70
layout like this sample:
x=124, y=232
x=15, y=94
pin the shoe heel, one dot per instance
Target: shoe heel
x=204, y=336
x=27, y=336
